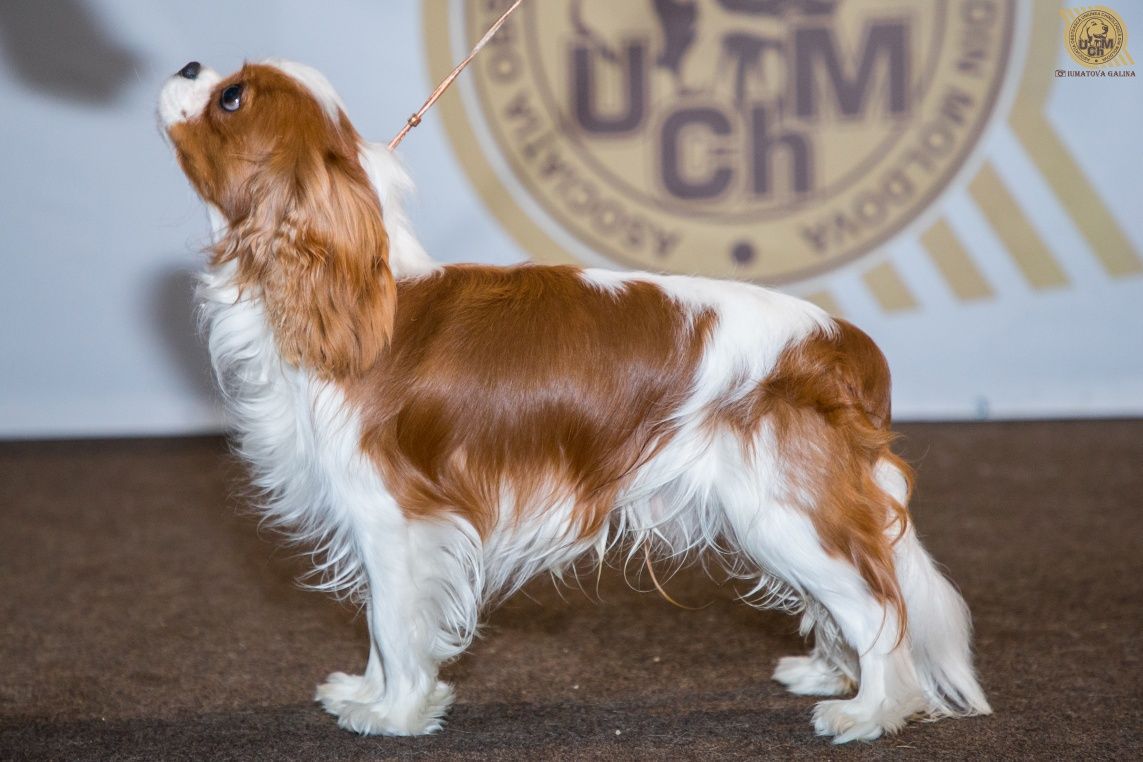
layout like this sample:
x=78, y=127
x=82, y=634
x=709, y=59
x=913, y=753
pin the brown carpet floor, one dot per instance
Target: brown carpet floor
x=145, y=617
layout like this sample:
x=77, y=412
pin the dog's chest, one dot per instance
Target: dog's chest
x=276, y=409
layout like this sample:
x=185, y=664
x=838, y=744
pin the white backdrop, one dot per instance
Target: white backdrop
x=99, y=232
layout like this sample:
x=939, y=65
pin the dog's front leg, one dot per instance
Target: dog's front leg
x=399, y=694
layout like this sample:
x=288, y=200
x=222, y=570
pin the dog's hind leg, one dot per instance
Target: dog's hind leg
x=784, y=542
x=771, y=521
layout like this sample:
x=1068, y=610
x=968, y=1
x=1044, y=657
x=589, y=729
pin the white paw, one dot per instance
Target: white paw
x=347, y=697
x=340, y=688
x=810, y=676
x=855, y=720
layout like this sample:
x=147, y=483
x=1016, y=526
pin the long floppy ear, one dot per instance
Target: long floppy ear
x=315, y=246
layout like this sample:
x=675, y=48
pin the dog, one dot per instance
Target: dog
x=443, y=434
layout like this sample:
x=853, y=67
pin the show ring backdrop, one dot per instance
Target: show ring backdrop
x=941, y=172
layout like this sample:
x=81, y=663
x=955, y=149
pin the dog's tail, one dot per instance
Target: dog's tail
x=939, y=629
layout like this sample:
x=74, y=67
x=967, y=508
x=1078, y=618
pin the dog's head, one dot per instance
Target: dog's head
x=271, y=149
x=1094, y=29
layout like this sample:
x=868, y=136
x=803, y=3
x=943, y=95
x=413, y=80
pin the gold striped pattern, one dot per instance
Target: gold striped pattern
x=1081, y=200
x=954, y=263
x=1052, y=158
x=885, y=283
x=1021, y=240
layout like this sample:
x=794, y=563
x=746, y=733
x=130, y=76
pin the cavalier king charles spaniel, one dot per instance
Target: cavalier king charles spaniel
x=442, y=434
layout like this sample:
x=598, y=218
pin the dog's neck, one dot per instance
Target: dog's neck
x=407, y=258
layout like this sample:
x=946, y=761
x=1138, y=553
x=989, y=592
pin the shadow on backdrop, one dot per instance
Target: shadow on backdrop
x=59, y=47
x=172, y=312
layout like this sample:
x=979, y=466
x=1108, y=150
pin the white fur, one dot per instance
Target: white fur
x=182, y=99
x=407, y=258
x=423, y=582
x=812, y=675
x=302, y=442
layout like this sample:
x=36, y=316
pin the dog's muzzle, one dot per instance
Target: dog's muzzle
x=186, y=93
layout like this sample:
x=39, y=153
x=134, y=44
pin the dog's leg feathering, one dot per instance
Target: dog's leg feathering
x=929, y=673
x=785, y=542
x=940, y=627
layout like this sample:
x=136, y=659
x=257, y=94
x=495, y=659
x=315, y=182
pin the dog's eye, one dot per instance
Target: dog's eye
x=231, y=98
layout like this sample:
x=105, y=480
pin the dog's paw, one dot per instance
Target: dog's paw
x=339, y=689
x=855, y=720
x=810, y=676
x=346, y=697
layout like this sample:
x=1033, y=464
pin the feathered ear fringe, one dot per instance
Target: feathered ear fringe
x=316, y=249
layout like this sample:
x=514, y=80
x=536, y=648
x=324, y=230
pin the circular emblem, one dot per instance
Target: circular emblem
x=769, y=140
x=1095, y=37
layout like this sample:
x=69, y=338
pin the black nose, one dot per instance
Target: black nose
x=191, y=70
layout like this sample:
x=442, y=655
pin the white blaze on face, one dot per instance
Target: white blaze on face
x=182, y=99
